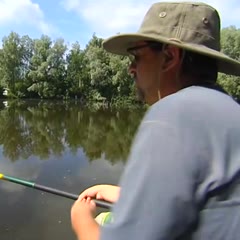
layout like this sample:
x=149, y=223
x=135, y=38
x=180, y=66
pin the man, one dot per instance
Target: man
x=181, y=178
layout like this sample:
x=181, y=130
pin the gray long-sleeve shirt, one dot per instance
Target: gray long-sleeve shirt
x=187, y=147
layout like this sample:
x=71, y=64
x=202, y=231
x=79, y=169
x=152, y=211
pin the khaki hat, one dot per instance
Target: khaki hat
x=189, y=25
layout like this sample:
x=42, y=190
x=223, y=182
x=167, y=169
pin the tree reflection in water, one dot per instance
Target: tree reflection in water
x=43, y=128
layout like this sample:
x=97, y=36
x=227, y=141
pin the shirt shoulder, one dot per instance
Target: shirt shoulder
x=194, y=103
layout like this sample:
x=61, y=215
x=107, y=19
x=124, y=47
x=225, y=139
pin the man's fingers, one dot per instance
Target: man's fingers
x=99, y=196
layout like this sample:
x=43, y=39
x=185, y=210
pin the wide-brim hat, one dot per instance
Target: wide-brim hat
x=189, y=25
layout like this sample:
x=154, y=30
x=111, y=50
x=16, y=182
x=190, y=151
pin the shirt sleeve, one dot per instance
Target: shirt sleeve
x=158, y=187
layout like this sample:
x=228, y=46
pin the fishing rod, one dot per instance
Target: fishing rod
x=99, y=203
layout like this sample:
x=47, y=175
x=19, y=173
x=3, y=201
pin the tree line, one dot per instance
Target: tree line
x=45, y=68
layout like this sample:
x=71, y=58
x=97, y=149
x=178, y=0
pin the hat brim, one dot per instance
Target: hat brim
x=120, y=43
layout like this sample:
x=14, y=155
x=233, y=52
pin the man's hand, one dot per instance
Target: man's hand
x=82, y=218
x=108, y=193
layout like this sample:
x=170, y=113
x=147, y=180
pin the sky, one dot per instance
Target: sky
x=78, y=20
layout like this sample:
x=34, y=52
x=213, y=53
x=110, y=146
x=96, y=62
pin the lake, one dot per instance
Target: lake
x=60, y=145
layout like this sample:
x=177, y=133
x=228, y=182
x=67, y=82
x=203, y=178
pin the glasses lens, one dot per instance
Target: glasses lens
x=134, y=49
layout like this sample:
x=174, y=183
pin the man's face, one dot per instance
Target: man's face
x=146, y=70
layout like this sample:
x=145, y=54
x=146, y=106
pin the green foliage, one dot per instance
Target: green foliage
x=230, y=42
x=48, y=68
x=11, y=61
x=43, y=68
x=99, y=69
x=108, y=73
x=77, y=76
x=231, y=84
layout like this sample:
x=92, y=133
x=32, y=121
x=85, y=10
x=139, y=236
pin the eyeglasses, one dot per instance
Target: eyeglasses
x=153, y=45
x=134, y=56
x=133, y=49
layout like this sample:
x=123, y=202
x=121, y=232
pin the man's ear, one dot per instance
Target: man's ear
x=172, y=57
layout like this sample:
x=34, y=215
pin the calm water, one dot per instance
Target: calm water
x=62, y=146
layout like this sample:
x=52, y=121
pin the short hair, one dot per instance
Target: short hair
x=199, y=67
x=202, y=69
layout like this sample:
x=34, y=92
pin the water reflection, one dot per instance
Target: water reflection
x=46, y=128
x=60, y=145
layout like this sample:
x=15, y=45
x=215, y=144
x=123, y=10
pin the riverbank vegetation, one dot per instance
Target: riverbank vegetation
x=50, y=69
